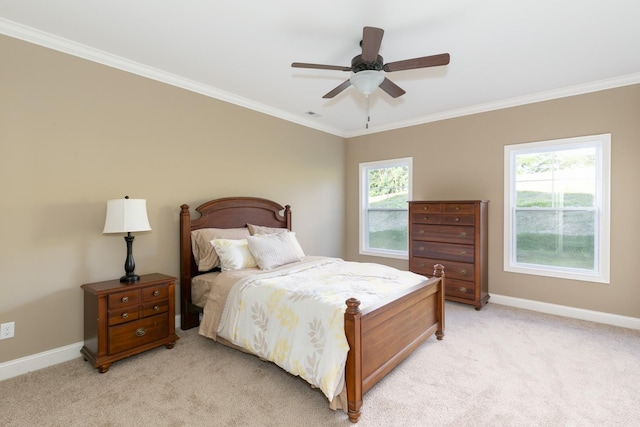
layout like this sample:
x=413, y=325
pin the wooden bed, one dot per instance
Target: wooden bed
x=379, y=337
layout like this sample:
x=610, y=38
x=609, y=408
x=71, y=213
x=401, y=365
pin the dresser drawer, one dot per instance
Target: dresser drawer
x=123, y=314
x=449, y=251
x=426, y=218
x=137, y=333
x=121, y=299
x=154, y=293
x=458, y=208
x=452, y=269
x=423, y=208
x=443, y=233
x=459, y=219
x=459, y=288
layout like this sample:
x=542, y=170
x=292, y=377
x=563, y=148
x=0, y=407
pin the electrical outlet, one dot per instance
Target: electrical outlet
x=7, y=330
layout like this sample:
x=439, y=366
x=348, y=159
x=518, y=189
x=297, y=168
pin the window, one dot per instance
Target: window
x=557, y=208
x=385, y=189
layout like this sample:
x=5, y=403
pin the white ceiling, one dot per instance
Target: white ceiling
x=503, y=52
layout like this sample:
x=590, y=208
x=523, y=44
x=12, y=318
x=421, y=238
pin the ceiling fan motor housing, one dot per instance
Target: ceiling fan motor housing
x=358, y=65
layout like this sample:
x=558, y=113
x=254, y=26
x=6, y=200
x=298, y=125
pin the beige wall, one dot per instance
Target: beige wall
x=74, y=134
x=462, y=158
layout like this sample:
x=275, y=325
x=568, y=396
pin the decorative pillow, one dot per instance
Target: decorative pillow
x=203, y=251
x=273, y=250
x=256, y=230
x=233, y=254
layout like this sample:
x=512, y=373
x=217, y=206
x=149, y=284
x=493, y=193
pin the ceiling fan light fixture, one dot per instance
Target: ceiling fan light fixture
x=366, y=81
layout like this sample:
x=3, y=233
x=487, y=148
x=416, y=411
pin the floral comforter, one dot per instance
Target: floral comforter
x=294, y=316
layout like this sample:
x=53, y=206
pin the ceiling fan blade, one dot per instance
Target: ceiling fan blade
x=320, y=66
x=338, y=89
x=410, y=64
x=371, y=41
x=391, y=88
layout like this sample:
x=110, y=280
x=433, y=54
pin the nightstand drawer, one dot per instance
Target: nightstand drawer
x=125, y=314
x=154, y=292
x=124, y=298
x=137, y=333
x=152, y=308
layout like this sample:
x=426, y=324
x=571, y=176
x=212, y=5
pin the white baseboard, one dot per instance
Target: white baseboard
x=563, y=310
x=16, y=367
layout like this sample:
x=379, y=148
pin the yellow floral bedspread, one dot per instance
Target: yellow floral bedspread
x=295, y=317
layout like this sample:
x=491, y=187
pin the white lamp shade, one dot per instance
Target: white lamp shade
x=367, y=81
x=126, y=215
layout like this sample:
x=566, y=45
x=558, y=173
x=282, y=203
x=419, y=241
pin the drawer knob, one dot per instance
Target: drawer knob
x=421, y=265
x=421, y=248
x=463, y=252
x=156, y=293
x=124, y=299
x=462, y=271
x=463, y=289
x=457, y=219
x=463, y=234
x=457, y=208
x=140, y=332
x=125, y=315
x=421, y=232
x=156, y=308
x=426, y=208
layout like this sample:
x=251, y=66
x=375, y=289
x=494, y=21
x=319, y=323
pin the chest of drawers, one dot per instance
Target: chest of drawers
x=121, y=320
x=454, y=234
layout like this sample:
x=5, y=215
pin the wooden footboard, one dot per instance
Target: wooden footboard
x=381, y=337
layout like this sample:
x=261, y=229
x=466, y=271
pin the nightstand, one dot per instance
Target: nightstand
x=122, y=319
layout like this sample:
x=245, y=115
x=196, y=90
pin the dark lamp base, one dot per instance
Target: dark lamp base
x=133, y=278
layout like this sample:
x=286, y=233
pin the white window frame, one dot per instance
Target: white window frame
x=600, y=274
x=364, y=248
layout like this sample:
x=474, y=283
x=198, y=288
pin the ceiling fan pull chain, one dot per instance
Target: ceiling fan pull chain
x=366, y=125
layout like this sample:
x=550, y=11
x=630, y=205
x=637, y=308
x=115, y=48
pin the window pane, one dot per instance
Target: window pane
x=556, y=238
x=388, y=187
x=388, y=229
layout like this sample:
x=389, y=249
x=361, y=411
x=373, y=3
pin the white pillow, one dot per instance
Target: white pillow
x=233, y=254
x=203, y=251
x=273, y=250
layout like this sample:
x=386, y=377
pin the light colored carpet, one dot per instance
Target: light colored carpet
x=497, y=367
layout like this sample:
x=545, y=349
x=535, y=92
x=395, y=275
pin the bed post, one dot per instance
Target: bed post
x=438, y=271
x=353, y=371
x=188, y=319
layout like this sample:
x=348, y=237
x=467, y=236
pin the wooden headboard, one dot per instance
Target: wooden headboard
x=229, y=212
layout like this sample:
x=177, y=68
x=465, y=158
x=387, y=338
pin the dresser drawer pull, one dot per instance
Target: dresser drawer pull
x=457, y=208
x=457, y=219
x=463, y=289
x=156, y=308
x=463, y=252
x=421, y=232
x=125, y=315
x=425, y=218
x=421, y=248
x=426, y=208
x=124, y=299
x=462, y=271
x=421, y=265
x=140, y=332
x=156, y=293
x=463, y=234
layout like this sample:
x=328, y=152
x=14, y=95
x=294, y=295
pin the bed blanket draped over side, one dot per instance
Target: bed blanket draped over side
x=294, y=315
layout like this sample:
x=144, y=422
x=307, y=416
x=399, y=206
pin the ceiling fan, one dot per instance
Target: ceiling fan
x=368, y=67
